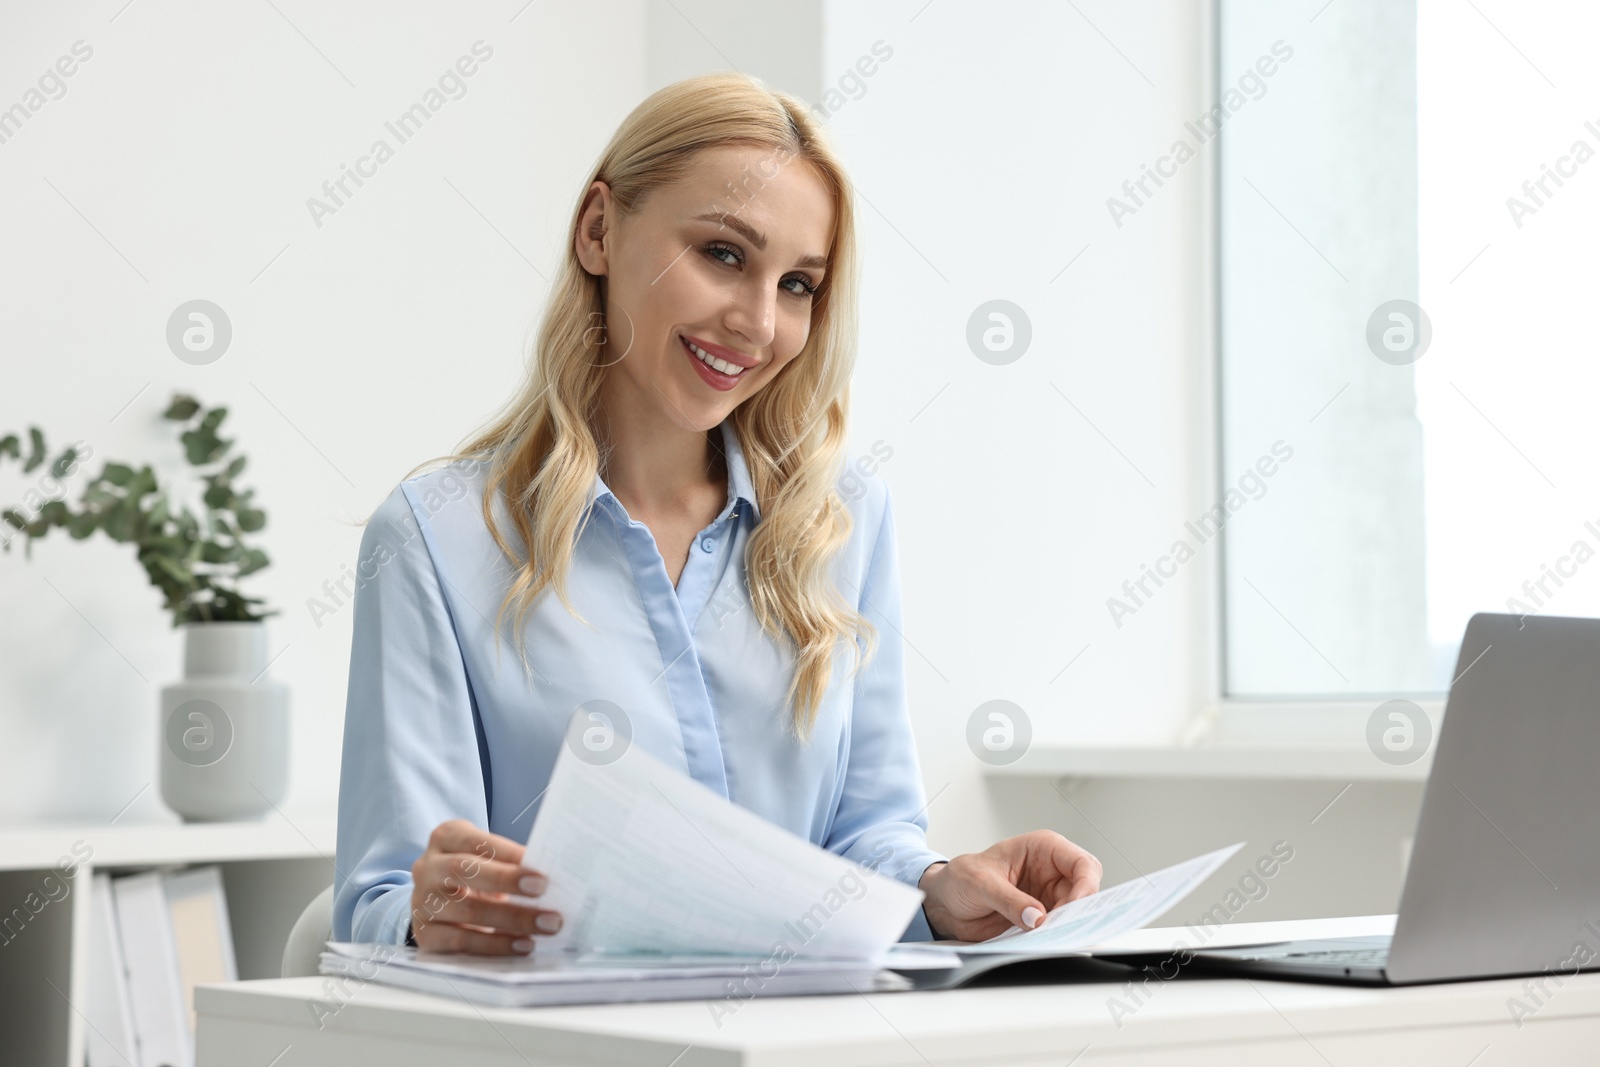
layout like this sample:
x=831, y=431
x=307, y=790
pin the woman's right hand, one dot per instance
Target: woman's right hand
x=459, y=896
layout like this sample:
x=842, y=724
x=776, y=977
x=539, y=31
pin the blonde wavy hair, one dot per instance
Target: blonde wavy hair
x=542, y=453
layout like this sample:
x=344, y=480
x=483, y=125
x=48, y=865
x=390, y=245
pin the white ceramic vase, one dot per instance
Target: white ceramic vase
x=224, y=746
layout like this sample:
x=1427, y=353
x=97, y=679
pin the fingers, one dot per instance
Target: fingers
x=460, y=854
x=1000, y=879
x=454, y=871
x=459, y=835
x=502, y=916
x=1019, y=907
x=1082, y=868
x=460, y=889
x=1072, y=870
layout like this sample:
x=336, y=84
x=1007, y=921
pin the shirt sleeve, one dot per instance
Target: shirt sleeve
x=881, y=821
x=412, y=752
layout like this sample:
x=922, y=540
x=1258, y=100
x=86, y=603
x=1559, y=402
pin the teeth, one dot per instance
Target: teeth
x=733, y=370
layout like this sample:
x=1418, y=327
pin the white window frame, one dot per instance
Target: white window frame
x=1219, y=719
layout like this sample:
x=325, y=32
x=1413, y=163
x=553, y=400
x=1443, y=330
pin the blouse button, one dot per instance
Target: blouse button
x=707, y=544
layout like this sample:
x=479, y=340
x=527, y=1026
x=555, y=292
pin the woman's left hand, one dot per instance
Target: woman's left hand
x=1012, y=883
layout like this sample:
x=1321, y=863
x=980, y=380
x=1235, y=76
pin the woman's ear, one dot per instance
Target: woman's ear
x=594, y=222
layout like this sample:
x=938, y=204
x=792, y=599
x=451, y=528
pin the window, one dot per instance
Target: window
x=1403, y=280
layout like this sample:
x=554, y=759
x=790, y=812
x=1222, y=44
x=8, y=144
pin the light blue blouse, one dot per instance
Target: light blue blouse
x=442, y=723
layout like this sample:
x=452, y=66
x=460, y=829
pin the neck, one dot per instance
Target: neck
x=653, y=465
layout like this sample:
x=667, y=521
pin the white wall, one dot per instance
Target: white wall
x=983, y=152
x=190, y=142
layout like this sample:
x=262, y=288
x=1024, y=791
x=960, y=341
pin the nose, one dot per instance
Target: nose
x=754, y=311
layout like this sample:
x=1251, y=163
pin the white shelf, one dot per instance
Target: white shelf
x=39, y=845
x=1276, y=763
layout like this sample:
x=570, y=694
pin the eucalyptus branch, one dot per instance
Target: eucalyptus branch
x=196, y=560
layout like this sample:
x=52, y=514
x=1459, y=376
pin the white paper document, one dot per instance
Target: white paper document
x=641, y=858
x=1109, y=913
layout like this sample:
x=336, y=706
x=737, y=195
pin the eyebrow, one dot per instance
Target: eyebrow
x=755, y=236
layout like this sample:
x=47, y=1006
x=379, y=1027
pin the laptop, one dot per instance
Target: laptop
x=1504, y=877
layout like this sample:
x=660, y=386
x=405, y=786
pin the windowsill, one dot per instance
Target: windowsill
x=1238, y=761
x=1322, y=741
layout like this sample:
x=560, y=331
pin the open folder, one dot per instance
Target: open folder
x=670, y=891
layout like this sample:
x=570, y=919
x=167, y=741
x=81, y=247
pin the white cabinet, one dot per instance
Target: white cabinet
x=271, y=869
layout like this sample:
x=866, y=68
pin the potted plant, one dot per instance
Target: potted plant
x=224, y=751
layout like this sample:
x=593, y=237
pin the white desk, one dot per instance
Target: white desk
x=1191, y=1022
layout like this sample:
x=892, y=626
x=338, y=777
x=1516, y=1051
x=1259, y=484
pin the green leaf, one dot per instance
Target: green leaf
x=212, y=552
x=118, y=474
x=163, y=546
x=213, y=419
x=36, y=456
x=64, y=463
x=55, y=512
x=82, y=525
x=14, y=519
x=252, y=519
x=119, y=522
x=236, y=466
x=144, y=482
x=181, y=408
x=159, y=512
x=10, y=446
x=196, y=446
x=173, y=568
x=252, y=561
x=220, y=495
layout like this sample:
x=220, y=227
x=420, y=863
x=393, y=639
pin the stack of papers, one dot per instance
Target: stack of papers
x=668, y=891
x=545, y=979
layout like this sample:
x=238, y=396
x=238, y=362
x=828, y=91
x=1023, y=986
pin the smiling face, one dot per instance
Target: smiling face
x=709, y=284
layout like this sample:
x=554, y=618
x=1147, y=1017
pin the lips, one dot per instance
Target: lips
x=724, y=353
x=712, y=372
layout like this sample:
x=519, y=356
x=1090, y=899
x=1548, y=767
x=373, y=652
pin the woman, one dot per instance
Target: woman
x=670, y=473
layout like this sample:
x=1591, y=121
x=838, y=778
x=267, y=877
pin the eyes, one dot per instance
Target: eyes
x=806, y=289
